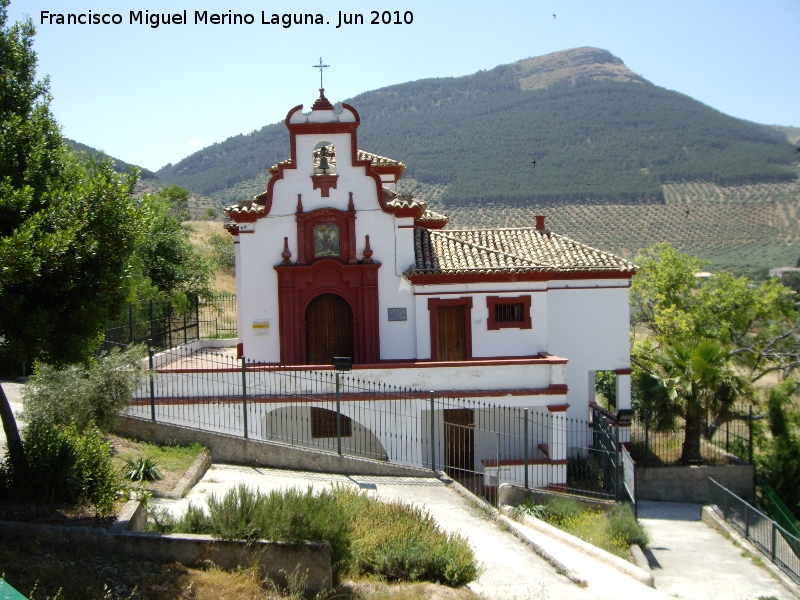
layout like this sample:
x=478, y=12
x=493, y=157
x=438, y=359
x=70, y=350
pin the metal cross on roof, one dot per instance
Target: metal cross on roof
x=320, y=66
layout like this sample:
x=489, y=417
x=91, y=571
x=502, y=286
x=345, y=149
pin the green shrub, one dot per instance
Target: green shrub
x=82, y=394
x=142, y=469
x=623, y=525
x=561, y=509
x=64, y=464
x=57, y=480
x=394, y=541
x=584, y=472
x=399, y=542
x=530, y=509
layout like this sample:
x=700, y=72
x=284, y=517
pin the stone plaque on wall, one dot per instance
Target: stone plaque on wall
x=398, y=314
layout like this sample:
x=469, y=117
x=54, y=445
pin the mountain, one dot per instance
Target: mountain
x=600, y=134
x=120, y=166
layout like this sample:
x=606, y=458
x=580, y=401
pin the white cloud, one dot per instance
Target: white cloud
x=194, y=142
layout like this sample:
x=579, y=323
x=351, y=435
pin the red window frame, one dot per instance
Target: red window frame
x=493, y=301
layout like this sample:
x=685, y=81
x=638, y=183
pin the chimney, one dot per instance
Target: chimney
x=540, y=222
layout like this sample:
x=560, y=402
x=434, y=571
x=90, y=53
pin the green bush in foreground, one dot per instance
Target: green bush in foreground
x=65, y=465
x=613, y=530
x=394, y=541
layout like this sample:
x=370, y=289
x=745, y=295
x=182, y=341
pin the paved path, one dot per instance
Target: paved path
x=510, y=569
x=693, y=561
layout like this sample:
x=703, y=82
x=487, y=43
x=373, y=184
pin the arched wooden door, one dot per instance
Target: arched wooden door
x=329, y=329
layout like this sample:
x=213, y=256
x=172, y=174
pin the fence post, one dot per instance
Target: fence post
x=152, y=383
x=169, y=323
x=774, y=541
x=699, y=437
x=646, y=437
x=617, y=486
x=244, y=396
x=433, y=433
x=152, y=324
x=728, y=435
x=725, y=505
x=338, y=418
x=747, y=521
x=526, y=446
x=184, y=325
x=130, y=322
x=497, y=487
x=750, y=435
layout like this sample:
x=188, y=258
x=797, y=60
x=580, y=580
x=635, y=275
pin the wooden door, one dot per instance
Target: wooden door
x=451, y=333
x=459, y=439
x=329, y=329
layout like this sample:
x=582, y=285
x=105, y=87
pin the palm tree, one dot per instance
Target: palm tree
x=698, y=376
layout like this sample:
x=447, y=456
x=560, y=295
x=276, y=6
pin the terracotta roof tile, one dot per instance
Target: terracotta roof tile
x=507, y=250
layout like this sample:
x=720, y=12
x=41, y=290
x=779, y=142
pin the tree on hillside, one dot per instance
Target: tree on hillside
x=68, y=230
x=701, y=334
x=165, y=260
x=758, y=324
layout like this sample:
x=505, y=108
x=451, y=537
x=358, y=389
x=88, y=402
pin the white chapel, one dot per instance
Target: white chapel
x=332, y=261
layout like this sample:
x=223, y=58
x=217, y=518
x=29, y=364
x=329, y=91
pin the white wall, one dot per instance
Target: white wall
x=591, y=328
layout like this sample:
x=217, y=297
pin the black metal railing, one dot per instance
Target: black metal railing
x=164, y=324
x=723, y=439
x=217, y=317
x=774, y=541
x=479, y=443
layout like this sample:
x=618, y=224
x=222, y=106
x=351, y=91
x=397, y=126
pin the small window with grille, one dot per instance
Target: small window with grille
x=509, y=312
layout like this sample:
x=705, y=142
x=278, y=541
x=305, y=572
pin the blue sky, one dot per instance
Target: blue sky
x=155, y=95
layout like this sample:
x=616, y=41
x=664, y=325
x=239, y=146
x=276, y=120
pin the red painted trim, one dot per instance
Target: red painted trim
x=493, y=301
x=557, y=407
x=433, y=304
x=432, y=224
x=397, y=364
x=295, y=129
x=298, y=285
x=402, y=212
x=519, y=462
x=306, y=222
x=508, y=277
x=324, y=183
x=590, y=287
x=623, y=371
x=487, y=292
x=406, y=226
x=244, y=232
x=319, y=398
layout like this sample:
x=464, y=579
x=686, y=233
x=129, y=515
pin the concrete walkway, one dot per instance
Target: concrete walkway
x=693, y=561
x=511, y=570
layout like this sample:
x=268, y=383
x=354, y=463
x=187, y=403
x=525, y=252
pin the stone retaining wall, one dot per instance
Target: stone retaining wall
x=236, y=450
x=690, y=484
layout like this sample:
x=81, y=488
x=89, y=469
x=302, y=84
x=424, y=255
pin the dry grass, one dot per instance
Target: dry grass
x=200, y=234
x=225, y=281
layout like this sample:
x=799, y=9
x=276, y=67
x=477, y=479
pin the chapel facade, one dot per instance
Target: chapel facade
x=332, y=261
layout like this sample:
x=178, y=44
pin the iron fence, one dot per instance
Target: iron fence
x=775, y=542
x=164, y=325
x=723, y=439
x=159, y=323
x=217, y=317
x=478, y=443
